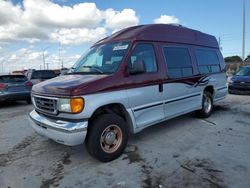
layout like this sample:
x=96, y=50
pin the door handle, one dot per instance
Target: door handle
x=161, y=88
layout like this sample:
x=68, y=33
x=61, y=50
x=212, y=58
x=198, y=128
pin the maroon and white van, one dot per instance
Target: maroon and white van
x=133, y=79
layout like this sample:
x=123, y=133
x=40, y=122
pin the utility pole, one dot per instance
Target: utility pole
x=47, y=65
x=2, y=65
x=244, y=30
x=60, y=56
x=62, y=64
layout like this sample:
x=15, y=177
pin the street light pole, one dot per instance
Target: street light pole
x=44, y=57
x=219, y=42
x=244, y=30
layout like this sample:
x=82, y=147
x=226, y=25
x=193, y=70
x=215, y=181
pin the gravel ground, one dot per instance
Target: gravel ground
x=183, y=152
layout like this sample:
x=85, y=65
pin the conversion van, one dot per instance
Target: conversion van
x=133, y=79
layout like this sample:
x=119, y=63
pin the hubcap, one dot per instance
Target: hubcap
x=111, y=138
x=207, y=104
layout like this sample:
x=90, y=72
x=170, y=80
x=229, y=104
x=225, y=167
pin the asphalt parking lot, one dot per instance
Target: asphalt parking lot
x=183, y=152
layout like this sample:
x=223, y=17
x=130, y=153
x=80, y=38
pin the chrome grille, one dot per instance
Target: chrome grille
x=45, y=104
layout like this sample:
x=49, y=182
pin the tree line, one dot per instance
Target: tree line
x=236, y=58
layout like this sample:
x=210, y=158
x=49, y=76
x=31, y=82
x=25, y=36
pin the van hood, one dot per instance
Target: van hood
x=241, y=78
x=69, y=85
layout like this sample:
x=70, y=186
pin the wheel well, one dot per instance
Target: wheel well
x=115, y=108
x=209, y=89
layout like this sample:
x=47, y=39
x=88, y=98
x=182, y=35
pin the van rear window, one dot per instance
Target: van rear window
x=178, y=61
x=208, y=61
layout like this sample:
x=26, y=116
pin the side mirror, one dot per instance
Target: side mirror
x=137, y=68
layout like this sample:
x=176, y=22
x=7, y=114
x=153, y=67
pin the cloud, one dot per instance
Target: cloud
x=118, y=20
x=44, y=20
x=78, y=36
x=45, y=13
x=165, y=19
x=8, y=12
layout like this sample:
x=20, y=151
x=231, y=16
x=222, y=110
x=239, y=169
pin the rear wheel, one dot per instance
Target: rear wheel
x=107, y=137
x=207, y=106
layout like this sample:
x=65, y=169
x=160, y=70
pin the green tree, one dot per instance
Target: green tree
x=247, y=58
x=235, y=58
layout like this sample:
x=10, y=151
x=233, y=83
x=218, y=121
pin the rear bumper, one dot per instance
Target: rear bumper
x=67, y=133
x=14, y=96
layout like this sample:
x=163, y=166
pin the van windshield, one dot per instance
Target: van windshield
x=244, y=71
x=102, y=59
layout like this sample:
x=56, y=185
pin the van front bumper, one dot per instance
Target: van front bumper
x=64, y=132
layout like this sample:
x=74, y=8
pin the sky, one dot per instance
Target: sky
x=62, y=30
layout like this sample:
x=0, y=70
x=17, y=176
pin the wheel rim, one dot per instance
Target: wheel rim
x=111, y=138
x=207, y=104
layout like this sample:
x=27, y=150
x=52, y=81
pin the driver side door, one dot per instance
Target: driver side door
x=144, y=95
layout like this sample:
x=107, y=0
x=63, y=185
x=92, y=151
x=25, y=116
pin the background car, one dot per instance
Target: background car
x=240, y=82
x=15, y=87
x=63, y=71
x=37, y=76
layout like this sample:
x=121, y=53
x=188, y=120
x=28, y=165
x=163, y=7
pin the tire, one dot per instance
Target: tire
x=28, y=100
x=107, y=137
x=207, y=106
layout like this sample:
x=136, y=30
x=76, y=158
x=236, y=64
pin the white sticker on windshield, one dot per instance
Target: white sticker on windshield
x=123, y=47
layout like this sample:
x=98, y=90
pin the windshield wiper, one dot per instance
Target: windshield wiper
x=95, y=68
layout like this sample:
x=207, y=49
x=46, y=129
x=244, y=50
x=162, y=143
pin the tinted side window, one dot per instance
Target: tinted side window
x=178, y=62
x=146, y=54
x=208, y=61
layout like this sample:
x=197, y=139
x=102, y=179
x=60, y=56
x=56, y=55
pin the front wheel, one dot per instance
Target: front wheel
x=207, y=106
x=107, y=137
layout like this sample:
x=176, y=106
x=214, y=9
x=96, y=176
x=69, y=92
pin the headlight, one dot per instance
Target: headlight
x=74, y=105
x=231, y=81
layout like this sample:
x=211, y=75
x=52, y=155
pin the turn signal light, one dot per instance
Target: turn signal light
x=77, y=105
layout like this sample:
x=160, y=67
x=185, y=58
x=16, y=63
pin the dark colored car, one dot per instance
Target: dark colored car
x=240, y=82
x=37, y=76
x=15, y=87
